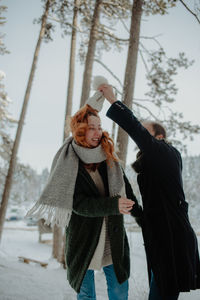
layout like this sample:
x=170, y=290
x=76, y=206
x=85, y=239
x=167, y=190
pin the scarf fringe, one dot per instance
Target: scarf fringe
x=52, y=215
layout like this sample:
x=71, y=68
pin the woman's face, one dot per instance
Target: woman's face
x=94, y=131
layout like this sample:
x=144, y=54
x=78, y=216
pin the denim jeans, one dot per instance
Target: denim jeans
x=154, y=293
x=115, y=290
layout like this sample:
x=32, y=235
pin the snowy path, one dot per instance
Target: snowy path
x=19, y=281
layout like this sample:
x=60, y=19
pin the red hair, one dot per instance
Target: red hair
x=79, y=125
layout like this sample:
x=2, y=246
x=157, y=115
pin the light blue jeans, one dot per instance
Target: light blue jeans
x=115, y=290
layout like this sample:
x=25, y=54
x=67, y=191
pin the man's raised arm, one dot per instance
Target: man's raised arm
x=124, y=117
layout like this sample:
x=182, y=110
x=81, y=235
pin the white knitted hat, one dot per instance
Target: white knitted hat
x=96, y=101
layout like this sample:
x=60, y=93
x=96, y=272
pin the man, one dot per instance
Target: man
x=170, y=242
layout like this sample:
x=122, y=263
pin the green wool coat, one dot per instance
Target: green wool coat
x=83, y=231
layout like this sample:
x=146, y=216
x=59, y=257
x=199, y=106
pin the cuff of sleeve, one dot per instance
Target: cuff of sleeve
x=138, y=216
x=115, y=107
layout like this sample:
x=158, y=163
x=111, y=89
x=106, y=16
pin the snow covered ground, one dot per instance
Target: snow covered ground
x=20, y=281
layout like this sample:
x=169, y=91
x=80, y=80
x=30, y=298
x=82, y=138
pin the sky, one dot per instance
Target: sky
x=43, y=129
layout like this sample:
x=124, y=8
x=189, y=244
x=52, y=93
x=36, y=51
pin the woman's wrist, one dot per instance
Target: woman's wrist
x=112, y=100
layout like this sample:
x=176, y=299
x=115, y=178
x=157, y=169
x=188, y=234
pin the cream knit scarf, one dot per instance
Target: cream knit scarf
x=56, y=201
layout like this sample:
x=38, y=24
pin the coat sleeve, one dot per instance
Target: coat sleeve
x=94, y=205
x=136, y=211
x=124, y=117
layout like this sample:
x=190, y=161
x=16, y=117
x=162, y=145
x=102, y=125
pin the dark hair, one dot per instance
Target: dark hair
x=158, y=129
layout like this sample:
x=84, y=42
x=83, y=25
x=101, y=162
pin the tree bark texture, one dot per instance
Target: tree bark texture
x=130, y=73
x=12, y=163
x=59, y=242
x=70, y=87
x=90, y=54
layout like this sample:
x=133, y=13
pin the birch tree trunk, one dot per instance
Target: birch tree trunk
x=59, y=242
x=12, y=163
x=130, y=73
x=90, y=54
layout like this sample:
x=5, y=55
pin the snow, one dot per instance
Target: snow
x=20, y=281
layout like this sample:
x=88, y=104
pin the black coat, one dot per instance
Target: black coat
x=82, y=234
x=170, y=242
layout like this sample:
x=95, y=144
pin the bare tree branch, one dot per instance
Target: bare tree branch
x=124, y=24
x=121, y=19
x=152, y=38
x=110, y=3
x=143, y=100
x=67, y=24
x=148, y=110
x=145, y=49
x=111, y=35
x=143, y=60
x=107, y=69
x=195, y=15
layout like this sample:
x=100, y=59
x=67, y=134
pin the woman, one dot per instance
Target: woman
x=89, y=178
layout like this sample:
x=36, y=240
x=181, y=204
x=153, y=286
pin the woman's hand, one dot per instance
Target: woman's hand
x=125, y=205
x=108, y=93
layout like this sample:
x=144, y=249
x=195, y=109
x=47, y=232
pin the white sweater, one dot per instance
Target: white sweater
x=102, y=255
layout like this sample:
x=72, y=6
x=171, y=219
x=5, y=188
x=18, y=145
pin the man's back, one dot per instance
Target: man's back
x=170, y=242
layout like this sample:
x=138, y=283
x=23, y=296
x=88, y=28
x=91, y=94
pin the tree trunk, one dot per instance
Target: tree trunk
x=8, y=182
x=130, y=73
x=70, y=87
x=61, y=257
x=59, y=242
x=113, y=131
x=90, y=54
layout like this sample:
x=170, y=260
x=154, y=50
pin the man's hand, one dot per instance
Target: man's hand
x=108, y=93
x=125, y=205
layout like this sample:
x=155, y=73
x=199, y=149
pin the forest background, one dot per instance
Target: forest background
x=174, y=28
